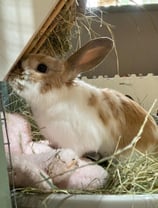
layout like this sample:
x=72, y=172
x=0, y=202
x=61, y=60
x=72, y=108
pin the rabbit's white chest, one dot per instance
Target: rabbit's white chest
x=68, y=127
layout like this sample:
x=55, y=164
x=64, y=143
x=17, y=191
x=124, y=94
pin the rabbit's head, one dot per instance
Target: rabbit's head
x=47, y=72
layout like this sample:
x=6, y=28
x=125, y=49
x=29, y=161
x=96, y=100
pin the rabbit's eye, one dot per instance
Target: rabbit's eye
x=42, y=68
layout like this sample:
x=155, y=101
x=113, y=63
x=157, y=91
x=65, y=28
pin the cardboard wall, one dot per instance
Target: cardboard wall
x=136, y=36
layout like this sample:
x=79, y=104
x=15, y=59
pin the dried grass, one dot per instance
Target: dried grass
x=134, y=176
x=57, y=41
x=16, y=104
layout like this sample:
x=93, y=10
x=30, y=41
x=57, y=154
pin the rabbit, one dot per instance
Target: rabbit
x=76, y=115
x=36, y=164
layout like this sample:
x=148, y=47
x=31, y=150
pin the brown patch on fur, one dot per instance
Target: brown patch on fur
x=111, y=102
x=104, y=118
x=109, y=109
x=46, y=85
x=126, y=118
x=134, y=116
x=92, y=101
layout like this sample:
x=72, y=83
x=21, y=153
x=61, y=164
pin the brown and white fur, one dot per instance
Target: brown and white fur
x=73, y=114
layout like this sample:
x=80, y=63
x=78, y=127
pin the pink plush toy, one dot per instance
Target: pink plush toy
x=36, y=164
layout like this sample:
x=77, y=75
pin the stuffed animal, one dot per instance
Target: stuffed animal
x=36, y=164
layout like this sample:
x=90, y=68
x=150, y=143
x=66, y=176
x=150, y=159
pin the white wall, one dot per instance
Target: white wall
x=19, y=20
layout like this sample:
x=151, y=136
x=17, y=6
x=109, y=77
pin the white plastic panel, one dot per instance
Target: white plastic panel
x=89, y=201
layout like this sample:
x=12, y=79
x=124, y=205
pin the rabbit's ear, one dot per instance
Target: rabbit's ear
x=89, y=56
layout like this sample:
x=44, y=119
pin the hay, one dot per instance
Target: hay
x=137, y=176
x=57, y=41
x=16, y=104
